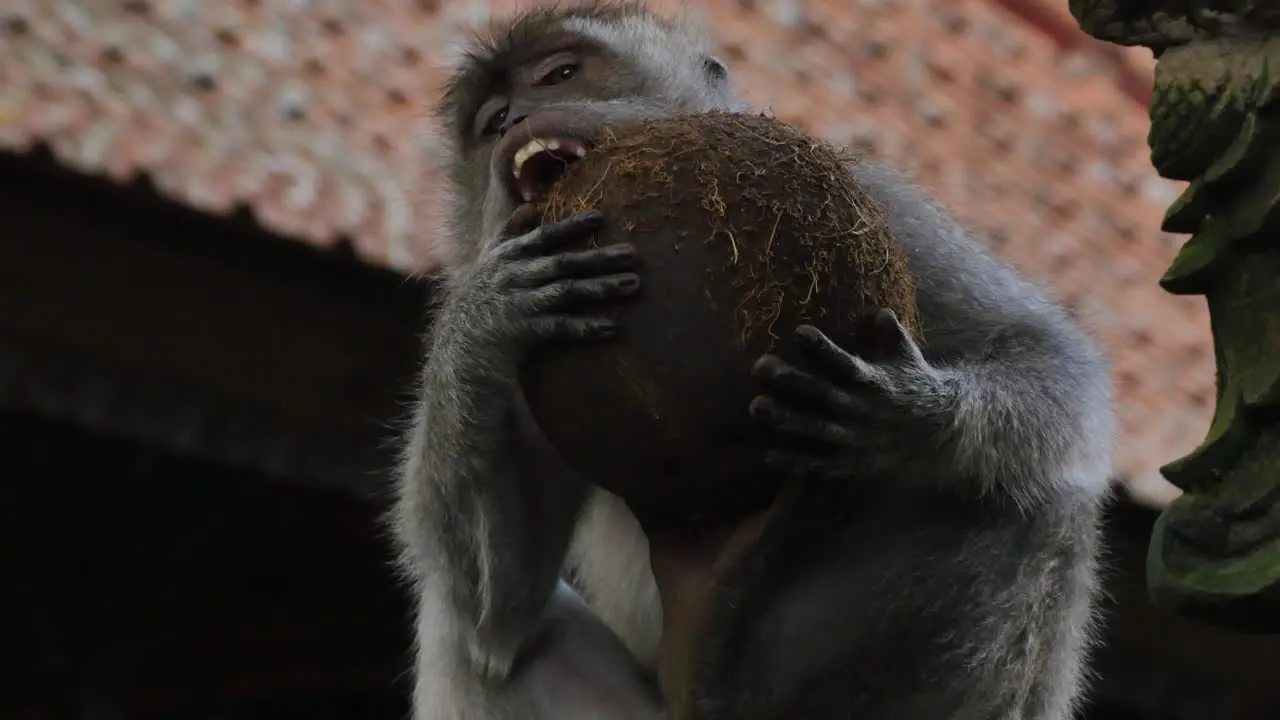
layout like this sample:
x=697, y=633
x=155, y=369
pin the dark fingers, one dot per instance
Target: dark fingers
x=797, y=387
x=798, y=425
x=572, y=327
x=564, y=294
x=842, y=368
x=553, y=236
x=587, y=263
x=798, y=466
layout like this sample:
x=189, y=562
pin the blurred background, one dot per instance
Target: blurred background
x=214, y=218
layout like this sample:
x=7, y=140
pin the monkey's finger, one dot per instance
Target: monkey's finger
x=825, y=353
x=553, y=236
x=571, y=327
x=797, y=387
x=798, y=425
x=599, y=261
x=798, y=466
x=523, y=220
x=845, y=369
x=565, y=294
x=608, y=287
x=896, y=337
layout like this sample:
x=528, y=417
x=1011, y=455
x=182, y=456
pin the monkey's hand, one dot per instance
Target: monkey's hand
x=877, y=406
x=528, y=287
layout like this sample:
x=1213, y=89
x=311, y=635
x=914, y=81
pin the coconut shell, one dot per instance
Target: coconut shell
x=746, y=228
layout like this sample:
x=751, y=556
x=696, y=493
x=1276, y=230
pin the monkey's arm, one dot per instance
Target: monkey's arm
x=485, y=518
x=1014, y=394
x=486, y=508
x=872, y=595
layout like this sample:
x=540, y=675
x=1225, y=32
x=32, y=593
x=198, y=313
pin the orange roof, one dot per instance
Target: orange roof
x=313, y=115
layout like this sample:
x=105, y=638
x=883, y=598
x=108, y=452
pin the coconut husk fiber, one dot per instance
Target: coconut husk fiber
x=745, y=228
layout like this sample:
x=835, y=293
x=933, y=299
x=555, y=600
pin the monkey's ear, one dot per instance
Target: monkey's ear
x=716, y=70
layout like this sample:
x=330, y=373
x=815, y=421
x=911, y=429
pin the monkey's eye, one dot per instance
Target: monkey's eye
x=493, y=125
x=559, y=75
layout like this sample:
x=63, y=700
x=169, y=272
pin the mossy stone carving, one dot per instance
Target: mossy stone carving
x=1215, y=122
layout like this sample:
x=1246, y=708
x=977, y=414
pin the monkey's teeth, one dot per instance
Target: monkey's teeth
x=538, y=145
x=531, y=148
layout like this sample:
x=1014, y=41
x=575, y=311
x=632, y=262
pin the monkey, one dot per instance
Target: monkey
x=934, y=551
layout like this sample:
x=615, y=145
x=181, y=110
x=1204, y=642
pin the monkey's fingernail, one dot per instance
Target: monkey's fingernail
x=630, y=282
x=765, y=365
x=620, y=251
x=778, y=460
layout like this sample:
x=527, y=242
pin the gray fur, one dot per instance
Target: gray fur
x=966, y=595
x=970, y=595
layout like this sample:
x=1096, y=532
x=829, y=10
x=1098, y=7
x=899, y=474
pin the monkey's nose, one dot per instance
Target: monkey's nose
x=509, y=123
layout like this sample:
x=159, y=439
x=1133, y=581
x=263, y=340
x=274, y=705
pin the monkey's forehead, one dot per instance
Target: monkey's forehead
x=508, y=34
x=629, y=27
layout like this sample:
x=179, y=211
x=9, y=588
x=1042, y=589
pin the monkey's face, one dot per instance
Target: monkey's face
x=523, y=108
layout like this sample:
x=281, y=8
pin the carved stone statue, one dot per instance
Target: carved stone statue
x=1215, y=122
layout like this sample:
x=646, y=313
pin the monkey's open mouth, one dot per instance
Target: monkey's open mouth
x=541, y=162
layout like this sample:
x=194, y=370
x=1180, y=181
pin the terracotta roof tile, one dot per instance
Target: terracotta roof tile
x=313, y=115
x=308, y=118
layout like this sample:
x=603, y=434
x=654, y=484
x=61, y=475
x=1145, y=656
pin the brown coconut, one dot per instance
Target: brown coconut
x=746, y=228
